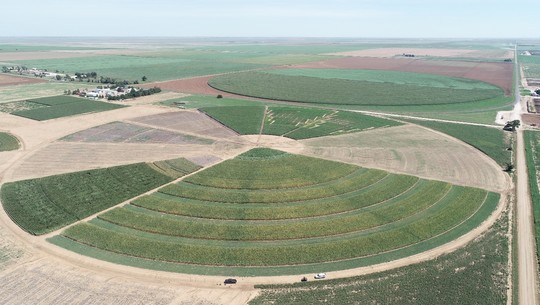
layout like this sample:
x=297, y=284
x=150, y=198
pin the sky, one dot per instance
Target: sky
x=280, y=18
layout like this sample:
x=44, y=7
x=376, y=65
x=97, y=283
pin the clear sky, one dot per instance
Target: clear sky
x=279, y=18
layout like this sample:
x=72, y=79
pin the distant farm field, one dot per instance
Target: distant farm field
x=294, y=122
x=393, y=77
x=133, y=67
x=8, y=142
x=347, y=213
x=309, y=89
x=45, y=204
x=47, y=108
x=499, y=74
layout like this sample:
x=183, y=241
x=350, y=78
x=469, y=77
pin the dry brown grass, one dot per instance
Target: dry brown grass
x=412, y=150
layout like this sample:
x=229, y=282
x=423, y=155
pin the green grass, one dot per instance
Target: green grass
x=45, y=204
x=62, y=106
x=474, y=274
x=242, y=119
x=343, y=91
x=491, y=141
x=294, y=122
x=532, y=148
x=8, y=142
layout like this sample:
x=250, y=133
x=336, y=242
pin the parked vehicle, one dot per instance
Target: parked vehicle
x=230, y=281
x=320, y=276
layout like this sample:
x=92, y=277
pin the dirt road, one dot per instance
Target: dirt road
x=525, y=234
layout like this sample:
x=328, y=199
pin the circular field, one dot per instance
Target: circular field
x=355, y=87
x=268, y=212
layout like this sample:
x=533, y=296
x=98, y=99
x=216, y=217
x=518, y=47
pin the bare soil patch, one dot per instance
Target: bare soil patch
x=11, y=80
x=47, y=282
x=65, y=157
x=496, y=73
x=195, y=85
x=392, y=52
x=120, y=132
x=531, y=120
x=412, y=150
x=193, y=122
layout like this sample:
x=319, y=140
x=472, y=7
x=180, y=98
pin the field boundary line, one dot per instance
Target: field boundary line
x=384, y=114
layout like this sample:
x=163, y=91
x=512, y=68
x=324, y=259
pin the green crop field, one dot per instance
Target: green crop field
x=346, y=91
x=8, y=142
x=45, y=204
x=242, y=119
x=294, y=122
x=532, y=148
x=493, y=142
x=474, y=274
x=47, y=108
x=265, y=211
x=393, y=77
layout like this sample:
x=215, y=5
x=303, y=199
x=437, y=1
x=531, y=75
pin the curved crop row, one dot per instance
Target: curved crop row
x=355, y=181
x=385, y=238
x=425, y=197
x=287, y=171
x=385, y=189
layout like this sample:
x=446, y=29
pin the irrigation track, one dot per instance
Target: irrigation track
x=262, y=124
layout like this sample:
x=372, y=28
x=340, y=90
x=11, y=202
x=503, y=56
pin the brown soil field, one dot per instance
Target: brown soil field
x=65, y=157
x=191, y=122
x=392, y=52
x=531, y=119
x=13, y=56
x=188, y=85
x=121, y=132
x=48, y=281
x=412, y=150
x=497, y=73
x=10, y=80
x=196, y=85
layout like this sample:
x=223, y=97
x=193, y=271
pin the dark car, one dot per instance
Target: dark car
x=230, y=281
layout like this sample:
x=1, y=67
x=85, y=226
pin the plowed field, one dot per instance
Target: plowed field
x=8, y=80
